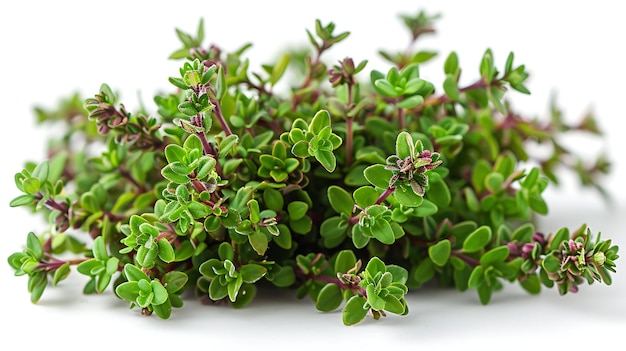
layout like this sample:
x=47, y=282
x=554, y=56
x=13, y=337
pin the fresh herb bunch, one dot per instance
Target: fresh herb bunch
x=351, y=188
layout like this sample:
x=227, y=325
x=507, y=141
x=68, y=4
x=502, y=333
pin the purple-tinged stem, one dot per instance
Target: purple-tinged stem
x=355, y=219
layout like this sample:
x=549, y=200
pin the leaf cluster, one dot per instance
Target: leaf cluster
x=351, y=188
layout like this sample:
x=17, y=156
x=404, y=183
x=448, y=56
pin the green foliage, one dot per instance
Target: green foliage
x=232, y=186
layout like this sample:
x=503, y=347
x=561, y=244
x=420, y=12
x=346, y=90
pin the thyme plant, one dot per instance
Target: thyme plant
x=351, y=188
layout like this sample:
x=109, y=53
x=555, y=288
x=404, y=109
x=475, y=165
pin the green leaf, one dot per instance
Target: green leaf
x=326, y=159
x=34, y=246
x=247, y=292
x=329, y=298
x=198, y=210
x=210, y=267
x=394, y=305
x=538, y=204
x=449, y=140
x=61, y=273
x=479, y=173
x=36, y=285
x=212, y=223
x=451, y=66
x=451, y=88
x=365, y=196
x=358, y=238
x=477, y=277
x=506, y=164
x=494, y=181
x=410, y=102
x=41, y=172
x=88, y=266
x=179, y=82
x=382, y=232
x=31, y=185
x=524, y=232
x=128, y=291
x=133, y=273
x=163, y=310
x=227, y=144
x=399, y=273
x=273, y=199
x=279, y=69
x=531, y=178
x=160, y=293
x=561, y=235
x=484, y=293
x=166, y=252
x=282, y=276
x=345, y=260
x=217, y=291
x=423, y=56
x=112, y=265
x=353, y=311
x=297, y=209
x=404, y=146
x=383, y=87
x=531, y=283
x=301, y=225
x=168, y=173
x=405, y=195
x=378, y=176
x=232, y=219
x=333, y=231
x=375, y=301
x=300, y=149
x=89, y=202
x=259, y=242
x=174, y=153
x=478, y=239
x=284, y=238
x=225, y=251
x=252, y=272
x=187, y=108
x=233, y=288
x=99, y=249
x=471, y=200
x=440, y=252
x=439, y=194
x=319, y=122
x=374, y=266
x=255, y=213
x=22, y=200
x=424, y=271
x=340, y=200
x=551, y=263
x=174, y=281
x=57, y=166
x=193, y=142
x=221, y=87
x=495, y=255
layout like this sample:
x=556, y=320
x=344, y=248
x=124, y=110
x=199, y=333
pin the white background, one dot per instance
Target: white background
x=573, y=49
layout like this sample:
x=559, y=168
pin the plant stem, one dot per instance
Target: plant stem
x=206, y=147
x=385, y=195
x=337, y=281
x=470, y=261
x=48, y=266
x=220, y=117
x=126, y=174
x=349, y=137
x=349, y=129
x=355, y=219
x=401, y=119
